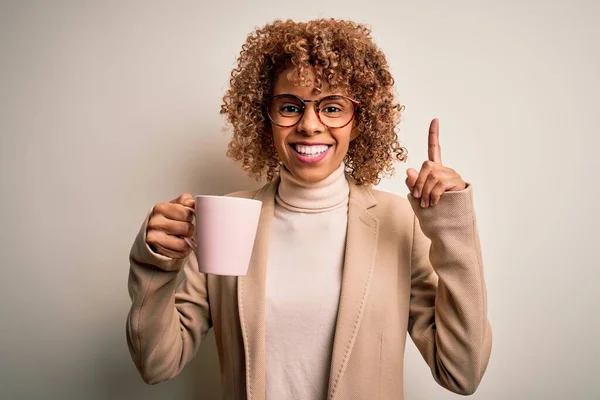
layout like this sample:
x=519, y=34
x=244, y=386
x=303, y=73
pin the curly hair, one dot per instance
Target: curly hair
x=340, y=53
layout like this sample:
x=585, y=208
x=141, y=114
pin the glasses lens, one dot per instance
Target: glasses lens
x=336, y=111
x=285, y=110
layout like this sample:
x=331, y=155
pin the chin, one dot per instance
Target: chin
x=311, y=176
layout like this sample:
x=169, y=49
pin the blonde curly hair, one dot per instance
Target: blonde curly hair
x=340, y=53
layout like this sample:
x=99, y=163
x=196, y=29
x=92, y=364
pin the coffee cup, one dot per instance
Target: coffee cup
x=225, y=230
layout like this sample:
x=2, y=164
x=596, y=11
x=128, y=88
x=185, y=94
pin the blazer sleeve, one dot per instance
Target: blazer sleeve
x=166, y=322
x=448, y=312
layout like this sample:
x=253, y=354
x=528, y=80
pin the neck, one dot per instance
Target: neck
x=328, y=194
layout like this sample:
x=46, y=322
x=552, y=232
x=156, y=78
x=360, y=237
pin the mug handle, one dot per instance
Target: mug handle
x=191, y=241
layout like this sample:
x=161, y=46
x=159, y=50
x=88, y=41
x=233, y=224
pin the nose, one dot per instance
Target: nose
x=310, y=124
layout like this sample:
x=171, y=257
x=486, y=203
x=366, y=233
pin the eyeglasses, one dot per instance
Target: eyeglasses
x=337, y=111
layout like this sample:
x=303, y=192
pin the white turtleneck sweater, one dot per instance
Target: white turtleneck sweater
x=304, y=276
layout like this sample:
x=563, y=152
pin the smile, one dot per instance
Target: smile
x=310, y=153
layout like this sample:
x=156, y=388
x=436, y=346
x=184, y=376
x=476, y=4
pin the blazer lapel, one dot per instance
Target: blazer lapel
x=251, y=298
x=361, y=246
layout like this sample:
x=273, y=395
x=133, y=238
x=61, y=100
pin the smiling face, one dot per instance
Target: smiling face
x=309, y=150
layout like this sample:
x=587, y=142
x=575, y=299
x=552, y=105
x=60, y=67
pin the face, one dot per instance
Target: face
x=310, y=150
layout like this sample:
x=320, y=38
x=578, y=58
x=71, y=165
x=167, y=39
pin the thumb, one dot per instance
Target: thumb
x=185, y=199
x=188, y=201
x=412, y=175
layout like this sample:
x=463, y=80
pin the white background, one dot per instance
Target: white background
x=107, y=107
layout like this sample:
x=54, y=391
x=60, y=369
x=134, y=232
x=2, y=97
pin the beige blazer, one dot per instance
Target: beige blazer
x=406, y=269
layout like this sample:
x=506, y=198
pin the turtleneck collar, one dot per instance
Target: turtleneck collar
x=326, y=195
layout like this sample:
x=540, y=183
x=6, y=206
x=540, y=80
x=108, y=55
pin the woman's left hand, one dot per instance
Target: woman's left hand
x=434, y=179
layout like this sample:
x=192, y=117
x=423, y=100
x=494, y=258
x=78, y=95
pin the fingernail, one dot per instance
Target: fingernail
x=416, y=193
x=423, y=203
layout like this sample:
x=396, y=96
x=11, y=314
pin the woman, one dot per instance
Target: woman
x=340, y=271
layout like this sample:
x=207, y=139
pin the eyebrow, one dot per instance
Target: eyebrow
x=310, y=100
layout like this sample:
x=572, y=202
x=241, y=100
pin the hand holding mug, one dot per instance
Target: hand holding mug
x=170, y=227
x=221, y=230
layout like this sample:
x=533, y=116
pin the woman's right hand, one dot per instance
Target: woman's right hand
x=169, y=224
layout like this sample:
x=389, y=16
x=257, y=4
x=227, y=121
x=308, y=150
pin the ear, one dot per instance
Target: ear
x=354, y=133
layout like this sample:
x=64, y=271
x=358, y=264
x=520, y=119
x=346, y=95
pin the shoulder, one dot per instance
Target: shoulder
x=391, y=202
x=251, y=194
x=244, y=194
x=381, y=204
x=394, y=212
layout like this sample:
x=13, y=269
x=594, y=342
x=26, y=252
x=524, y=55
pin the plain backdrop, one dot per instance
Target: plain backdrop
x=107, y=107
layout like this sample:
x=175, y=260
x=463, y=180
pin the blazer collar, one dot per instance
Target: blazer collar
x=361, y=245
x=251, y=297
x=359, y=262
x=361, y=194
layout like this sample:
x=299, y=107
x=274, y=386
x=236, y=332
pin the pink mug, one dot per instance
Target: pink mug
x=225, y=232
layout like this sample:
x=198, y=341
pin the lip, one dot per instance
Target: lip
x=310, y=160
x=311, y=144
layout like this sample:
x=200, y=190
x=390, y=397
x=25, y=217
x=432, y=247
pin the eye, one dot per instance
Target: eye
x=289, y=109
x=331, y=109
x=335, y=107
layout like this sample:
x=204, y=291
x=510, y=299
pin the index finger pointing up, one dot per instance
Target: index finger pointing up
x=434, y=149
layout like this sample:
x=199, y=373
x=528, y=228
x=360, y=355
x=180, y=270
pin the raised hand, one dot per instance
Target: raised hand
x=434, y=179
x=170, y=226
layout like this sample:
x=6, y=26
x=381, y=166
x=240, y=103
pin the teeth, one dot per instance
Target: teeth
x=310, y=150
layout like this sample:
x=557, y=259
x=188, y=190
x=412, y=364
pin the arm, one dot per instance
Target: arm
x=166, y=323
x=448, y=312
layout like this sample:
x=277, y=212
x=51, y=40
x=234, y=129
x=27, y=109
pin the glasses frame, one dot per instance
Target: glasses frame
x=317, y=109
